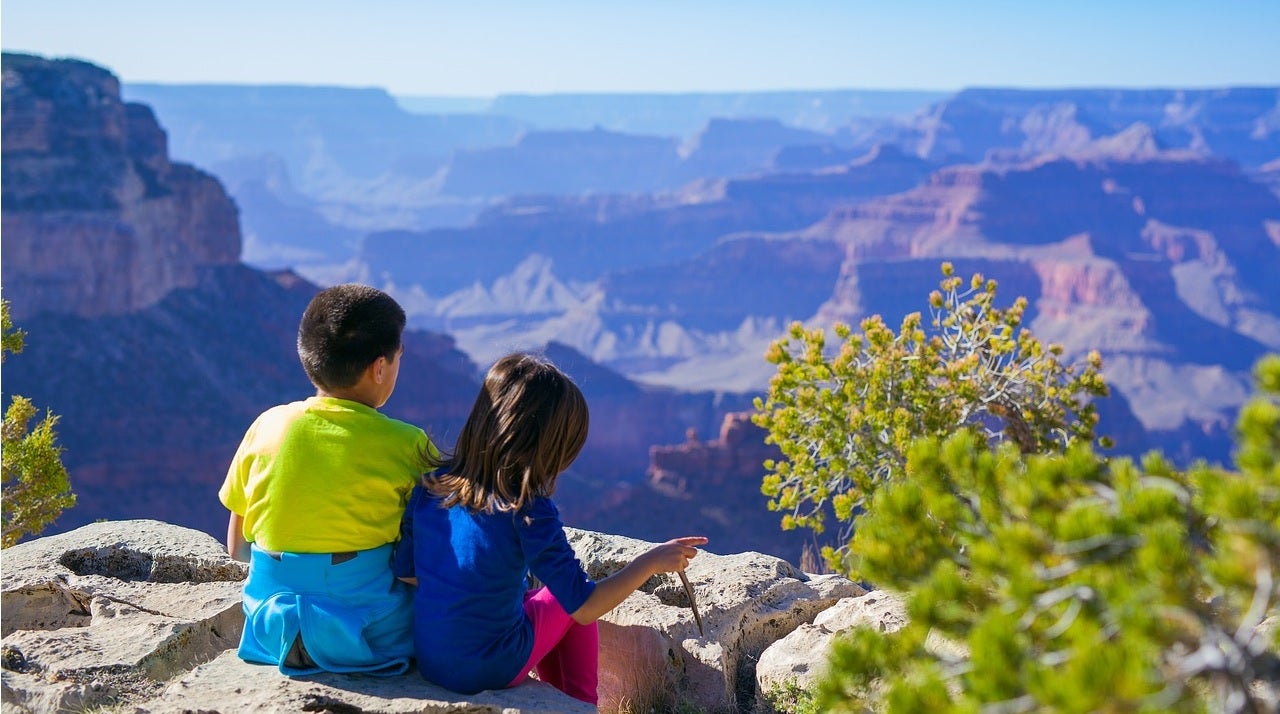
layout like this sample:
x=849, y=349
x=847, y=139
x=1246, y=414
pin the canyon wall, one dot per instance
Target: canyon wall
x=96, y=219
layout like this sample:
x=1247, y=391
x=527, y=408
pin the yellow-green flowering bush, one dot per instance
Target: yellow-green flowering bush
x=1072, y=583
x=36, y=488
x=844, y=417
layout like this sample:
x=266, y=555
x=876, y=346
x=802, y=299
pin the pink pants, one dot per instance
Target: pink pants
x=565, y=653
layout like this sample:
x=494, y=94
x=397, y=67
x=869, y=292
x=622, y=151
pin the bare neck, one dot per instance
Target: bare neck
x=351, y=394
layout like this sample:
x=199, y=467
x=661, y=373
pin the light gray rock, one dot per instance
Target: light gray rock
x=797, y=659
x=109, y=611
x=229, y=684
x=650, y=649
x=144, y=616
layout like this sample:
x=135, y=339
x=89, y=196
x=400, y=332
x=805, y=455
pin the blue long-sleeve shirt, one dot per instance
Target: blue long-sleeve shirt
x=470, y=630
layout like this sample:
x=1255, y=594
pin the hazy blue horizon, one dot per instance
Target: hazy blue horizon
x=487, y=48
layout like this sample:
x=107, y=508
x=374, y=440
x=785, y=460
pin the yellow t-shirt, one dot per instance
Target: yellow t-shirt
x=324, y=475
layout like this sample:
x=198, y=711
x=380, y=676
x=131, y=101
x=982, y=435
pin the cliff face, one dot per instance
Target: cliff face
x=1166, y=264
x=154, y=395
x=96, y=219
x=154, y=346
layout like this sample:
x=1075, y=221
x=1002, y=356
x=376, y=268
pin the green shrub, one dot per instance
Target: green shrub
x=1073, y=583
x=35, y=483
x=844, y=420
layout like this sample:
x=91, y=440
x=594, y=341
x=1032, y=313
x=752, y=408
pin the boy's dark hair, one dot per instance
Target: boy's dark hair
x=528, y=424
x=345, y=329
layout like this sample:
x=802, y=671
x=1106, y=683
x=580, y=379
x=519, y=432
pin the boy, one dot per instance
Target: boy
x=316, y=491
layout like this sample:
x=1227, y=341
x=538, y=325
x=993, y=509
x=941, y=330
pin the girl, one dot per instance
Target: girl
x=484, y=520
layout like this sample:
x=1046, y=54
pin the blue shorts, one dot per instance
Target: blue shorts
x=350, y=611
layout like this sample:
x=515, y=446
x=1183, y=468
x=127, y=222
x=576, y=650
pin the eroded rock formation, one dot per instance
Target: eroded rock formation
x=96, y=219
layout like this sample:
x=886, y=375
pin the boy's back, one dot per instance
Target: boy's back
x=316, y=491
x=324, y=475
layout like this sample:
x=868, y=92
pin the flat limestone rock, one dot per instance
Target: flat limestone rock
x=142, y=616
x=108, y=612
x=229, y=684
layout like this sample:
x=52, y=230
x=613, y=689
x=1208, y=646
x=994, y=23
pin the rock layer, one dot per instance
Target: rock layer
x=96, y=219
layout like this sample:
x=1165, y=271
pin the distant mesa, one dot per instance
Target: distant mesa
x=1232, y=122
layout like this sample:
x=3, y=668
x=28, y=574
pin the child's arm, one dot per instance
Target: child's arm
x=237, y=546
x=402, y=554
x=609, y=593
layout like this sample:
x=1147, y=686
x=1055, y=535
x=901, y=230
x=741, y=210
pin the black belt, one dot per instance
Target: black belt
x=334, y=558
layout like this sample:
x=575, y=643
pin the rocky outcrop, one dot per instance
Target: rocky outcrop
x=651, y=643
x=111, y=611
x=739, y=452
x=220, y=686
x=145, y=617
x=96, y=219
x=798, y=659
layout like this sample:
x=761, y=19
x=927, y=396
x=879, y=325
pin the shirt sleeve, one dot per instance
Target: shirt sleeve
x=402, y=554
x=232, y=492
x=549, y=555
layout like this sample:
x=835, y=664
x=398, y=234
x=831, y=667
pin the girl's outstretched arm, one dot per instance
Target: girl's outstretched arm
x=609, y=593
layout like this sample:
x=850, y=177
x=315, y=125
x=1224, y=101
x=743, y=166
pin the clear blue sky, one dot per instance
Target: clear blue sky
x=483, y=47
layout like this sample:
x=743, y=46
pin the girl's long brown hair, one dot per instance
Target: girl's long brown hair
x=528, y=424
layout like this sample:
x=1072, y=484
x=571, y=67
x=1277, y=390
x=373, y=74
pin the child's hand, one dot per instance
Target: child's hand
x=673, y=555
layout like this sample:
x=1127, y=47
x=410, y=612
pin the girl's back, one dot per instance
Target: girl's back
x=470, y=628
x=476, y=528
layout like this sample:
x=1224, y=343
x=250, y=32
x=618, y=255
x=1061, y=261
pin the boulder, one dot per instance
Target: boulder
x=651, y=653
x=794, y=662
x=109, y=611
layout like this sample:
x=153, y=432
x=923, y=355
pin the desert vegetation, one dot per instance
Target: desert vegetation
x=961, y=463
x=845, y=418
x=36, y=488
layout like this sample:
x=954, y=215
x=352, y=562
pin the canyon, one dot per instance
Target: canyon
x=160, y=300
